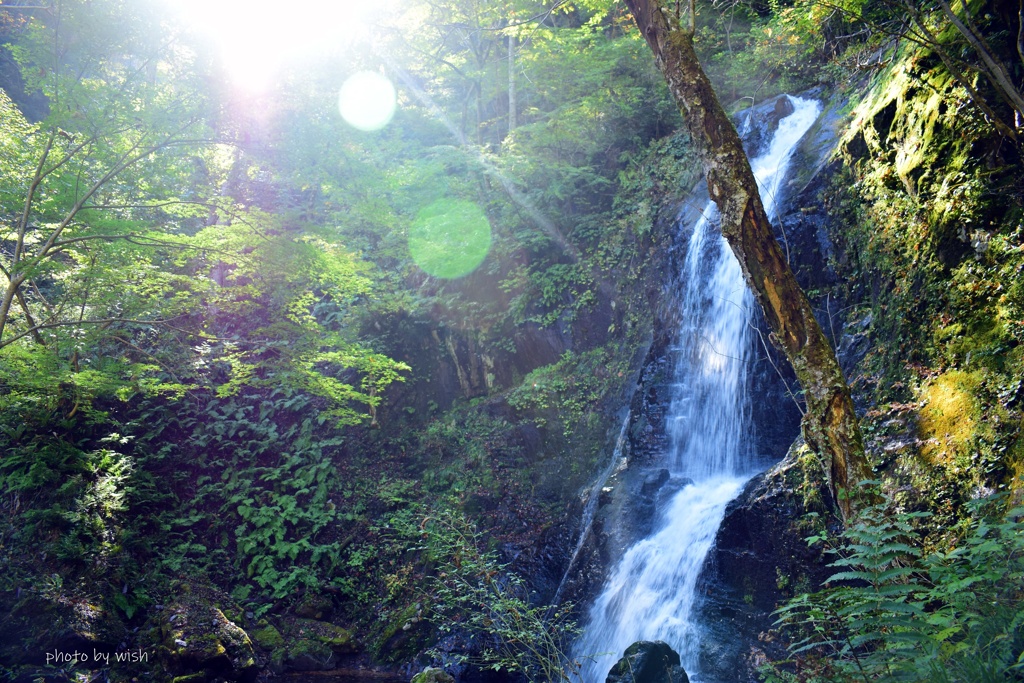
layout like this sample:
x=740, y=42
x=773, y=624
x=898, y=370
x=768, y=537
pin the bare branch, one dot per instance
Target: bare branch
x=29, y=198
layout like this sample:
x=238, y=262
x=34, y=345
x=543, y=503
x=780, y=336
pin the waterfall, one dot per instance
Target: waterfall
x=652, y=590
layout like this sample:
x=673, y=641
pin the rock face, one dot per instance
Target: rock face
x=761, y=560
x=760, y=549
x=648, y=662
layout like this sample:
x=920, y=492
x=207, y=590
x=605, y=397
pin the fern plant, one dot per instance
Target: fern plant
x=894, y=612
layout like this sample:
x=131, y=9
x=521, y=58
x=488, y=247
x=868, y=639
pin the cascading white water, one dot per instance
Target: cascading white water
x=652, y=590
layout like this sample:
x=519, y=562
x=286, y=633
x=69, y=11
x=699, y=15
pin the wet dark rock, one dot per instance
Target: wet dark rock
x=654, y=481
x=757, y=124
x=761, y=560
x=56, y=623
x=648, y=662
x=760, y=549
x=783, y=108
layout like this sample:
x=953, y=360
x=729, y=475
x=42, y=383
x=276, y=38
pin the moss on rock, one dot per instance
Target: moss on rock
x=949, y=416
x=267, y=637
x=198, y=640
x=433, y=675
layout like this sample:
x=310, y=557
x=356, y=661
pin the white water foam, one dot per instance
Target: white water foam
x=652, y=590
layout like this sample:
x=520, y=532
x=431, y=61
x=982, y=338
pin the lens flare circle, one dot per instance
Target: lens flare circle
x=450, y=238
x=367, y=100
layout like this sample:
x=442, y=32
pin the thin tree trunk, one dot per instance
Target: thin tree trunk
x=932, y=42
x=830, y=426
x=512, y=104
x=994, y=68
x=10, y=294
x=1020, y=30
x=29, y=319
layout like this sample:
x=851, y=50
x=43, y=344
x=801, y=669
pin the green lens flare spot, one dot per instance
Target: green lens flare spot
x=367, y=101
x=450, y=238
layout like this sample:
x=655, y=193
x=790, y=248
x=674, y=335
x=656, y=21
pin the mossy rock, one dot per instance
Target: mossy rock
x=400, y=636
x=233, y=613
x=199, y=643
x=339, y=640
x=306, y=644
x=314, y=606
x=197, y=677
x=949, y=417
x=433, y=675
x=267, y=637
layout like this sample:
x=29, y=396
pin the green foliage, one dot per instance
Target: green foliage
x=468, y=445
x=80, y=498
x=570, y=391
x=474, y=593
x=577, y=129
x=545, y=295
x=899, y=611
x=184, y=388
x=255, y=468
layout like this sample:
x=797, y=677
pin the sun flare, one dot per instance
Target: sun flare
x=257, y=38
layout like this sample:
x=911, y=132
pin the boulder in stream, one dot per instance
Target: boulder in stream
x=648, y=662
x=433, y=675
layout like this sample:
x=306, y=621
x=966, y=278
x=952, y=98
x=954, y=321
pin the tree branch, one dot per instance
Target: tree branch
x=28, y=317
x=73, y=323
x=994, y=67
x=37, y=178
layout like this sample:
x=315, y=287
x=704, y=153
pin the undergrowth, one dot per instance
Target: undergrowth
x=473, y=593
x=903, y=607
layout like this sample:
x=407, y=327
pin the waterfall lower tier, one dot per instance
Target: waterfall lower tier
x=651, y=593
x=653, y=590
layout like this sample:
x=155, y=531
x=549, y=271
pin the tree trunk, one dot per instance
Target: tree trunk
x=512, y=104
x=9, y=296
x=994, y=68
x=830, y=426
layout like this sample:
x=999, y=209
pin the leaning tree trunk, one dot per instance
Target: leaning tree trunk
x=830, y=425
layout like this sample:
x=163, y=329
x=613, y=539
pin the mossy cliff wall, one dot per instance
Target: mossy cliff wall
x=919, y=257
